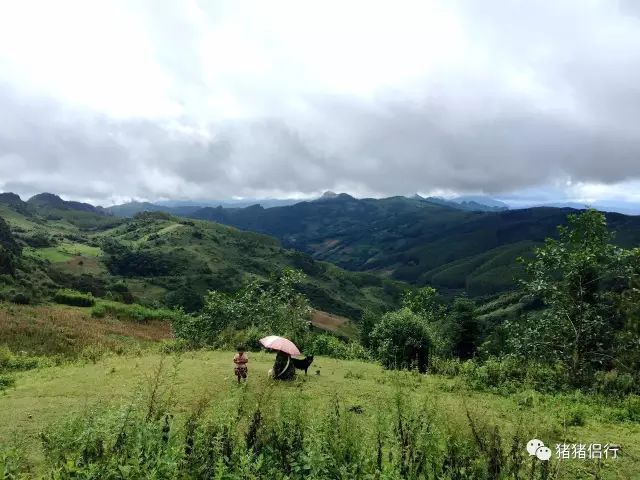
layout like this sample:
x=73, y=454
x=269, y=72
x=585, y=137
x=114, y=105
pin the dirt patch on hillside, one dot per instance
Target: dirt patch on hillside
x=333, y=323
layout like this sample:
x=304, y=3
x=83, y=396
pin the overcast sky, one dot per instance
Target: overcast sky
x=112, y=100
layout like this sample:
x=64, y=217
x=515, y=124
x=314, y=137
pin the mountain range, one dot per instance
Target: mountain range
x=455, y=245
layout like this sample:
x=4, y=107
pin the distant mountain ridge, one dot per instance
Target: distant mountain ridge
x=453, y=246
x=417, y=240
x=54, y=201
x=188, y=208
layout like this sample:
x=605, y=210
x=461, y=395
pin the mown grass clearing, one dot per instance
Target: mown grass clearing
x=64, y=252
x=50, y=395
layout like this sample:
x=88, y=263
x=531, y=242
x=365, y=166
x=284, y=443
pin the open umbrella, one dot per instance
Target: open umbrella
x=281, y=344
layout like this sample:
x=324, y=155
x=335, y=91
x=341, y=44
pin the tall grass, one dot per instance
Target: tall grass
x=134, y=312
x=278, y=436
x=55, y=331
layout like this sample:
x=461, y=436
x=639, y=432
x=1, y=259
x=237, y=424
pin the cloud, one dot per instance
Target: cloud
x=105, y=102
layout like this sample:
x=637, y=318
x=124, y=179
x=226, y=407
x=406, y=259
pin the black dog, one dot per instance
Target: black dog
x=303, y=363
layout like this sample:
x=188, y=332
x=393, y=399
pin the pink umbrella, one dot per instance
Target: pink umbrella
x=280, y=343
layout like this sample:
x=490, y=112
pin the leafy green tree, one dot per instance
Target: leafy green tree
x=401, y=340
x=465, y=329
x=367, y=324
x=273, y=307
x=576, y=277
x=424, y=301
x=627, y=344
x=187, y=297
x=9, y=249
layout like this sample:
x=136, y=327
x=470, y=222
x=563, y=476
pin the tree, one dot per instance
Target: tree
x=465, y=328
x=273, y=307
x=576, y=277
x=9, y=249
x=401, y=340
x=425, y=302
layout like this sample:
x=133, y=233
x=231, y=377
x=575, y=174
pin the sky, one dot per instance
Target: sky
x=152, y=99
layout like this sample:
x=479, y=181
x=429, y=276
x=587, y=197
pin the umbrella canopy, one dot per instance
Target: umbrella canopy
x=280, y=343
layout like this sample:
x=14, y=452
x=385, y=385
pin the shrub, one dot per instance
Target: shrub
x=506, y=374
x=273, y=307
x=135, y=312
x=614, y=383
x=72, y=297
x=21, y=298
x=11, y=362
x=6, y=381
x=449, y=367
x=39, y=239
x=576, y=416
x=331, y=346
x=401, y=340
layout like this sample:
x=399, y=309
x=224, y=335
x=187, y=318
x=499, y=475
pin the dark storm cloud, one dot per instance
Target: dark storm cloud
x=548, y=91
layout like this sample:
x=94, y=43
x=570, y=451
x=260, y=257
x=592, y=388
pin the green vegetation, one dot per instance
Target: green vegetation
x=159, y=260
x=72, y=297
x=260, y=307
x=420, y=241
x=135, y=312
x=555, y=357
x=82, y=408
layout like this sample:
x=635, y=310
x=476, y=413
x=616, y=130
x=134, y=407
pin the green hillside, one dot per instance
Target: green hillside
x=414, y=240
x=155, y=258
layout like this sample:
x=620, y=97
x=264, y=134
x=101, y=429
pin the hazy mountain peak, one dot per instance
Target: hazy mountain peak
x=10, y=198
x=54, y=201
x=328, y=194
x=480, y=200
x=47, y=199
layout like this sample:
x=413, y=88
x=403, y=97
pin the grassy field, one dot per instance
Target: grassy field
x=50, y=395
x=50, y=330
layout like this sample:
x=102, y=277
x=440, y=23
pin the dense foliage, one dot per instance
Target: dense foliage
x=9, y=249
x=419, y=241
x=72, y=297
x=585, y=282
x=267, y=308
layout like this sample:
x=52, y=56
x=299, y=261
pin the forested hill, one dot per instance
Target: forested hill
x=156, y=258
x=412, y=239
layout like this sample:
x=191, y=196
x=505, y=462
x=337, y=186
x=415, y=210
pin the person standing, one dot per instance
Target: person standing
x=240, y=360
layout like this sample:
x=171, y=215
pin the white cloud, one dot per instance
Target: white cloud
x=160, y=98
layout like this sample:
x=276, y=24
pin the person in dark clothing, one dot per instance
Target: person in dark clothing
x=283, y=368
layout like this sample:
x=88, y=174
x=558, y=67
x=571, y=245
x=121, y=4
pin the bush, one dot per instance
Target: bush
x=576, y=416
x=330, y=346
x=11, y=362
x=273, y=307
x=72, y=297
x=615, y=383
x=506, y=374
x=21, y=298
x=6, y=381
x=511, y=374
x=135, y=312
x=448, y=367
x=39, y=239
x=401, y=340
